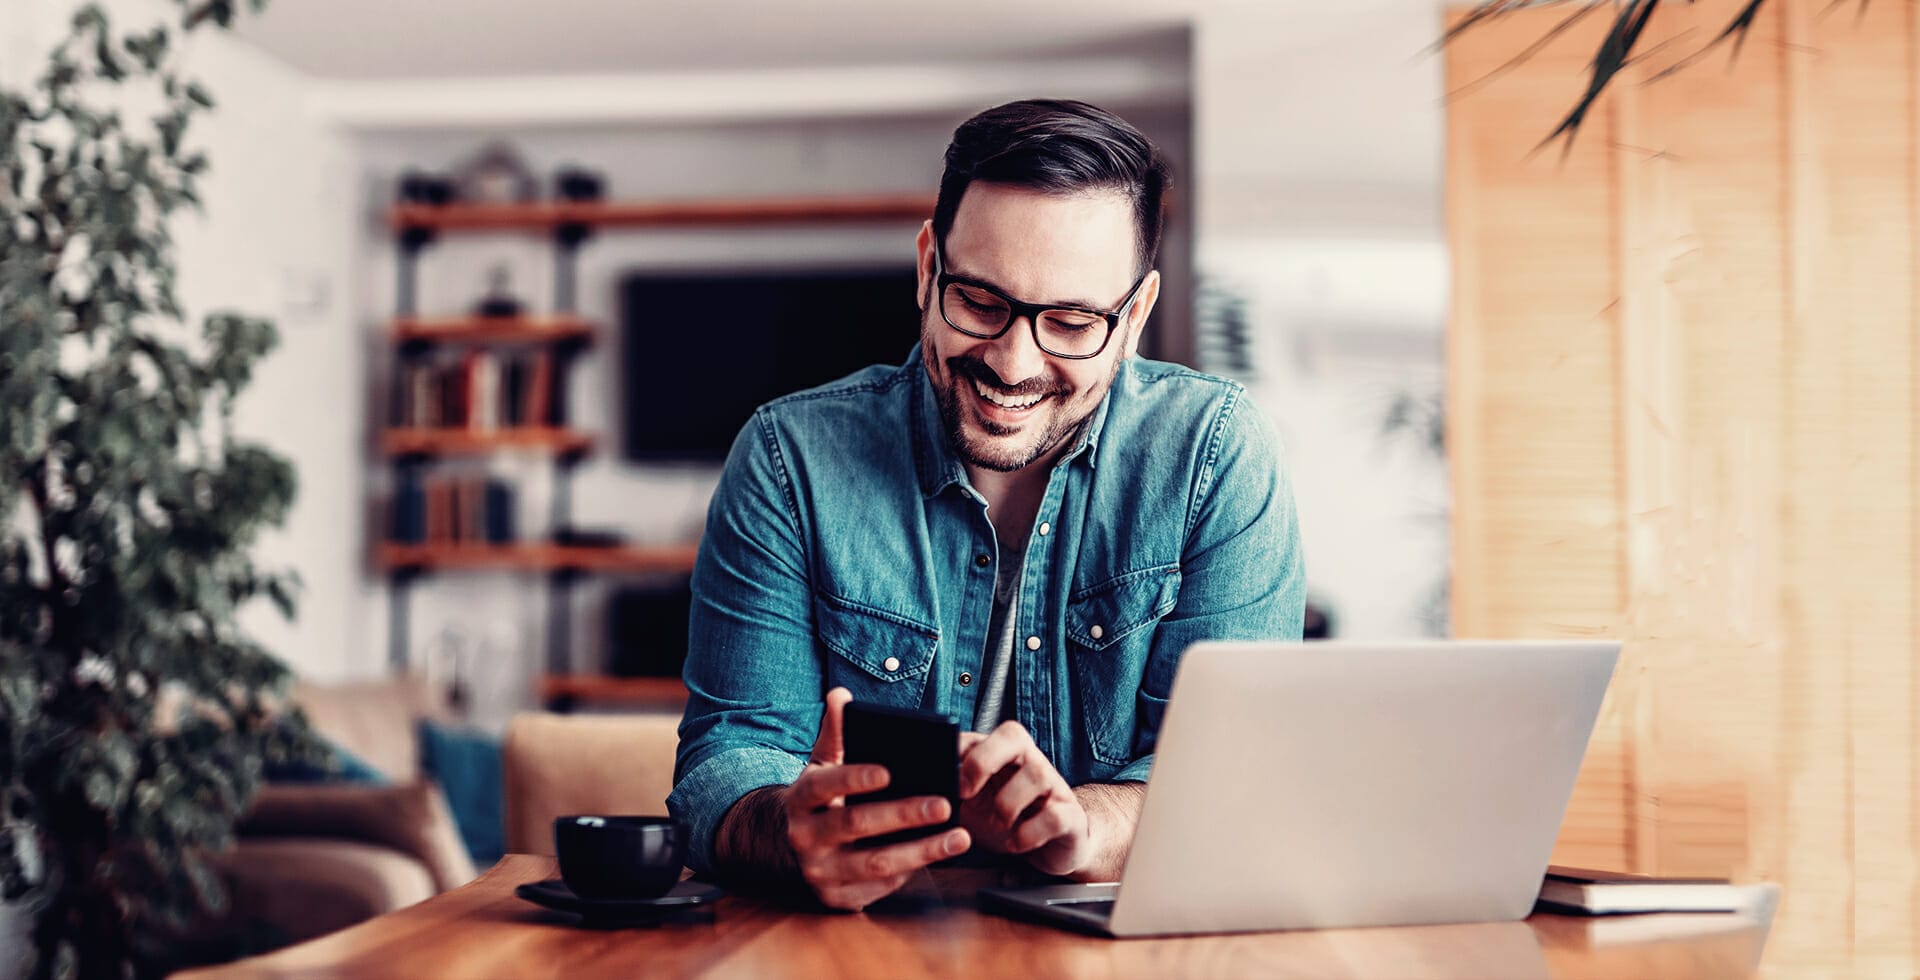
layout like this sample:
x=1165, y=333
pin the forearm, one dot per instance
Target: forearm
x=1113, y=810
x=751, y=844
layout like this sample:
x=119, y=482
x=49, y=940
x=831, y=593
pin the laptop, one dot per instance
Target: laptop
x=1328, y=785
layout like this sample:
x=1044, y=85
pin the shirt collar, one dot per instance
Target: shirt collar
x=940, y=468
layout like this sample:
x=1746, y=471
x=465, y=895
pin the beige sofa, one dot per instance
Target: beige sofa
x=315, y=858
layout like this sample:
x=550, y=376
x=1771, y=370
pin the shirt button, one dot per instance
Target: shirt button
x=965, y=678
x=892, y=664
x=1033, y=643
x=1096, y=631
x=1044, y=528
x=983, y=560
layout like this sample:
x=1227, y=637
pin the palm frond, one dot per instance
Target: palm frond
x=1607, y=63
x=1618, y=51
x=1736, y=30
x=1523, y=57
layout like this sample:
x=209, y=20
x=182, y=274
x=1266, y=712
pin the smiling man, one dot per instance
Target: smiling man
x=1023, y=526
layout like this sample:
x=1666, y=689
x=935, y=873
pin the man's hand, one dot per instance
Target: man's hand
x=1015, y=802
x=823, y=830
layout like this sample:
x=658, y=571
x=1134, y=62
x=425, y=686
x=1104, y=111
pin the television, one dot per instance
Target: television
x=702, y=350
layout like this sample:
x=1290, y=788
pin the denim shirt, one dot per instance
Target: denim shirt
x=845, y=546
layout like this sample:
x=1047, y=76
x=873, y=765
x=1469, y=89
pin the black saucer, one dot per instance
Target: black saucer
x=678, y=904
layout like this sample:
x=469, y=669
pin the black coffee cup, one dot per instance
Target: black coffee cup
x=619, y=857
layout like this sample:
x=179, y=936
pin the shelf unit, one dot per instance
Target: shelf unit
x=405, y=441
x=492, y=330
x=661, y=214
x=566, y=690
x=565, y=334
x=538, y=557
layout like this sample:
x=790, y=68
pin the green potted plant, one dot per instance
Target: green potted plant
x=135, y=715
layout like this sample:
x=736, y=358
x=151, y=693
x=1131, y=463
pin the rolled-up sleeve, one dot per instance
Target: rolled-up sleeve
x=753, y=675
x=1136, y=771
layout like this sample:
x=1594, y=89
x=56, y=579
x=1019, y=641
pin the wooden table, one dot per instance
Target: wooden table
x=483, y=931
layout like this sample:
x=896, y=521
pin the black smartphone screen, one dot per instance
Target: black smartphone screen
x=921, y=751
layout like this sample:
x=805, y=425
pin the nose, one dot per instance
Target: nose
x=1015, y=357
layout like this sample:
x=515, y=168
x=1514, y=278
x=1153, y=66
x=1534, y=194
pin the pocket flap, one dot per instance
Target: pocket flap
x=1101, y=616
x=868, y=638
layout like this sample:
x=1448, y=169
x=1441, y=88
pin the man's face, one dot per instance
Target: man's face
x=1006, y=403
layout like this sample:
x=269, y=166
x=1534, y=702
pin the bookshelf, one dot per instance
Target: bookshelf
x=424, y=441
x=652, y=692
x=538, y=217
x=540, y=557
x=416, y=439
x=530, y=330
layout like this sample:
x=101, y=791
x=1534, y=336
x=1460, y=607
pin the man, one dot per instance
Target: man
x=1022, y=527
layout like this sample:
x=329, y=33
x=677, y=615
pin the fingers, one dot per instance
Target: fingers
x=848, y=824
x=828, y=747
x=824, y=786
x=1053, y=820
x=1027, y=785
x=842, y=867
x=1007, y=745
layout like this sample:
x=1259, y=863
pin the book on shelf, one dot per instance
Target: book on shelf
x=513, y=392
x=466, y=511
x=409, y=511
x=434, y=527
x=539, y=390
x=453, y=510
x=419, y=403
x=499, y=511
x=1582, y=891
x=483, y=391
x=481, y=371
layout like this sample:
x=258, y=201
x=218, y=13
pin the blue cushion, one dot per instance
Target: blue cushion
x=342, y=766
x=465, y=762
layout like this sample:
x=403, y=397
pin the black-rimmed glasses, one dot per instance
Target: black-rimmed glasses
x=979, y=310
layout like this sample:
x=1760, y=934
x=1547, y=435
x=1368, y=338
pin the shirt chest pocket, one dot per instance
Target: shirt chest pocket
x=1110, y=630
x=881, y=657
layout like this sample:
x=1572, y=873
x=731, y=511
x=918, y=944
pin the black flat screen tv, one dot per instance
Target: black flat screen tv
x=702, y=350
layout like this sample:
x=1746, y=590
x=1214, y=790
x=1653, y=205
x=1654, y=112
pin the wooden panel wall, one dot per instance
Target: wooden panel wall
x=1683, y=362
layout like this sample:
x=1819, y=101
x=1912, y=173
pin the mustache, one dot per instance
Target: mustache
x=974, y=369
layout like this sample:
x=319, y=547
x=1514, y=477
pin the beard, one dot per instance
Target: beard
x=989, y=445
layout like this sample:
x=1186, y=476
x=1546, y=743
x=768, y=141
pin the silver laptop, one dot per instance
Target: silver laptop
x=1324, y=785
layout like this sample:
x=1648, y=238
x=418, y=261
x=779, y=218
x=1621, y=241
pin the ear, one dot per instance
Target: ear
x=1142, y=306
x=923, y=248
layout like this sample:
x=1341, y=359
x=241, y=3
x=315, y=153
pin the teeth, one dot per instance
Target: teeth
x=1003, y=401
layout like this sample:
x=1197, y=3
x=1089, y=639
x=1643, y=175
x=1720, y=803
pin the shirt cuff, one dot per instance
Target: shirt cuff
x=704, y=795
x=1135, y=772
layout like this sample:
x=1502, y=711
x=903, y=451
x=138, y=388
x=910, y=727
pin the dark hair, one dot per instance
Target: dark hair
x=1056, y=145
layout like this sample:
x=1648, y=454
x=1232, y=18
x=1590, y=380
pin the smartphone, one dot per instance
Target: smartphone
x=921, y=751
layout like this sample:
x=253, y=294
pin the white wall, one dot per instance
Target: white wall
x=1318, y=134
x=273, y=239
x=19, y=42
x=275, y=228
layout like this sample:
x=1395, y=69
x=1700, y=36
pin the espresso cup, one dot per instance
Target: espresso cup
x=610, y=857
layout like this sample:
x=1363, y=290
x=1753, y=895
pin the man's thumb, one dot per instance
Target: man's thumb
x=828, y=747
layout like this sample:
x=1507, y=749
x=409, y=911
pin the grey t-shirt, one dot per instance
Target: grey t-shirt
x=996, y=702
